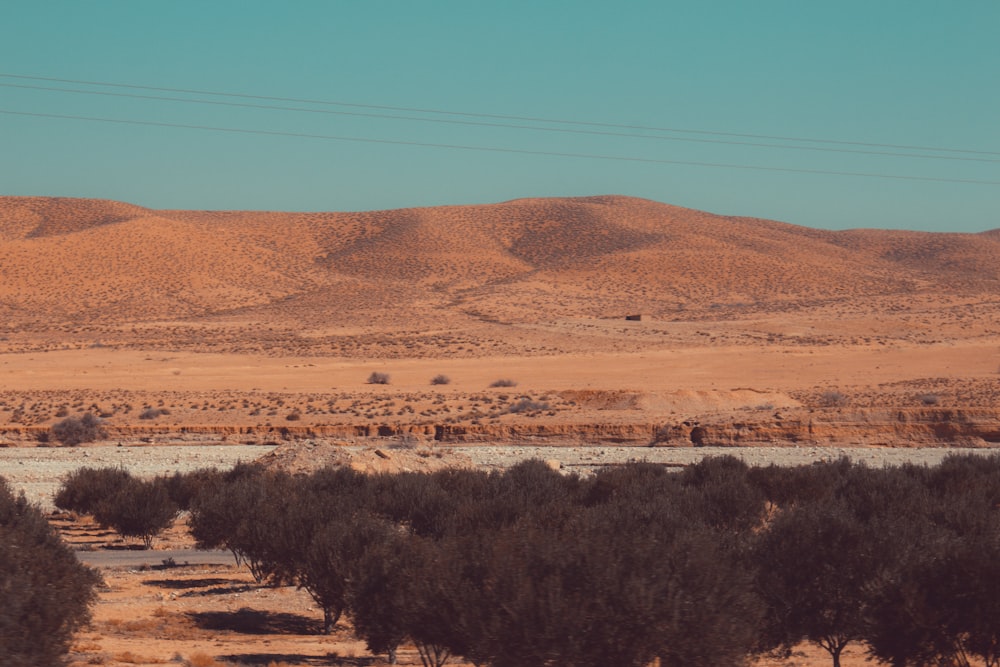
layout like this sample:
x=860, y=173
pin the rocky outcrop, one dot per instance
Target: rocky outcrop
x=917, y=427
x=914, y=427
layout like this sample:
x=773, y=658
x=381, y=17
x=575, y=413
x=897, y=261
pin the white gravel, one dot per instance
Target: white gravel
x=37, y=471
x=592, y=457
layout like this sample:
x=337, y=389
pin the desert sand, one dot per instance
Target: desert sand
x=262, y=328
x=257, y=326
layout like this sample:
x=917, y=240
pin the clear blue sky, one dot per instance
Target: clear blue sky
x=891, y=72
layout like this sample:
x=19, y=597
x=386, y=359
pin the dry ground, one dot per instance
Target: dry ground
x=262, y=327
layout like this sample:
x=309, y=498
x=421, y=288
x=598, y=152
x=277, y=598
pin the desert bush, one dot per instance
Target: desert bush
x=503, y=382
x=415, y=500
x=379, y=566
x=183, y=488
x=378, y=377
x=47, y=592
x=294, y=416
x=929, y=399
x=639, y=479
x=85, y=488
x=440, y=379
x=228, y=516
x=725, y=496
x=832, y=399
x=139, y=508
x=527, y=405
x=790, y=485
x=152, y=413
x=873, y=494
x=73, y=431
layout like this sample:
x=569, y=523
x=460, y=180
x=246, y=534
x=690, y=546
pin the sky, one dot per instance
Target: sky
x=848, y=114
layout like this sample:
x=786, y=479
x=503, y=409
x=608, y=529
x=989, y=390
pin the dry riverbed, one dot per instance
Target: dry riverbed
x=38, y=470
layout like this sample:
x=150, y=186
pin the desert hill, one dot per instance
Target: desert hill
x=242, y=326
x=101, y=268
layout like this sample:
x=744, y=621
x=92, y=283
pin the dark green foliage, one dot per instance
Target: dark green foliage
x=85, y=488
x=871, y=493
x=416, y=501
x=185, y=487
x=938, y=601
x=139, y=508
x=634, y=478
x=726, y=498
x=46, y=592
x=788, y=486
x=236, y=514
x=382, y=566
x=608, y=588
x=132, y=507
x=706, y=566
x=73, y=431
x=815, y=565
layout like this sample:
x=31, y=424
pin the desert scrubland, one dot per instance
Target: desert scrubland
x=257, y=327
x=464, y=333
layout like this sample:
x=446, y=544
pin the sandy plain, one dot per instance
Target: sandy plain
x=248, y=330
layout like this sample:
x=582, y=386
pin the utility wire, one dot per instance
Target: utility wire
x=557, y=121
x=273, y=107
x=495, y=149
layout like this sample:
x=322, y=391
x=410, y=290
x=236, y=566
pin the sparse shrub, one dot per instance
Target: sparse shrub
x=150, y=413
x=440, y=379
x=929, y=399
x=405, y=441
x=663, y=433
x=73, y=431
x=294, y=416
x=503, y=382
x=378, y=378
x=832, y=399
x=527, y=405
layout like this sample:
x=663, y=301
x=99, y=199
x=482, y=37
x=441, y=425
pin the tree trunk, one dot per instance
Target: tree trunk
x=330, y=618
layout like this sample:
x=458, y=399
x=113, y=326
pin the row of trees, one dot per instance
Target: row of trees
x=704, y=566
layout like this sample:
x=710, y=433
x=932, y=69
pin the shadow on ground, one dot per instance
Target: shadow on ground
x=255, y=622
x=297, y=659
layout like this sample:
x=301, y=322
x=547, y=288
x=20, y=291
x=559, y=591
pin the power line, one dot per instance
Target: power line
x=494, y=149
x=273, y=107
x=557, y=121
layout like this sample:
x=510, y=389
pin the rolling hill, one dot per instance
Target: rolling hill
x=76, y=262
